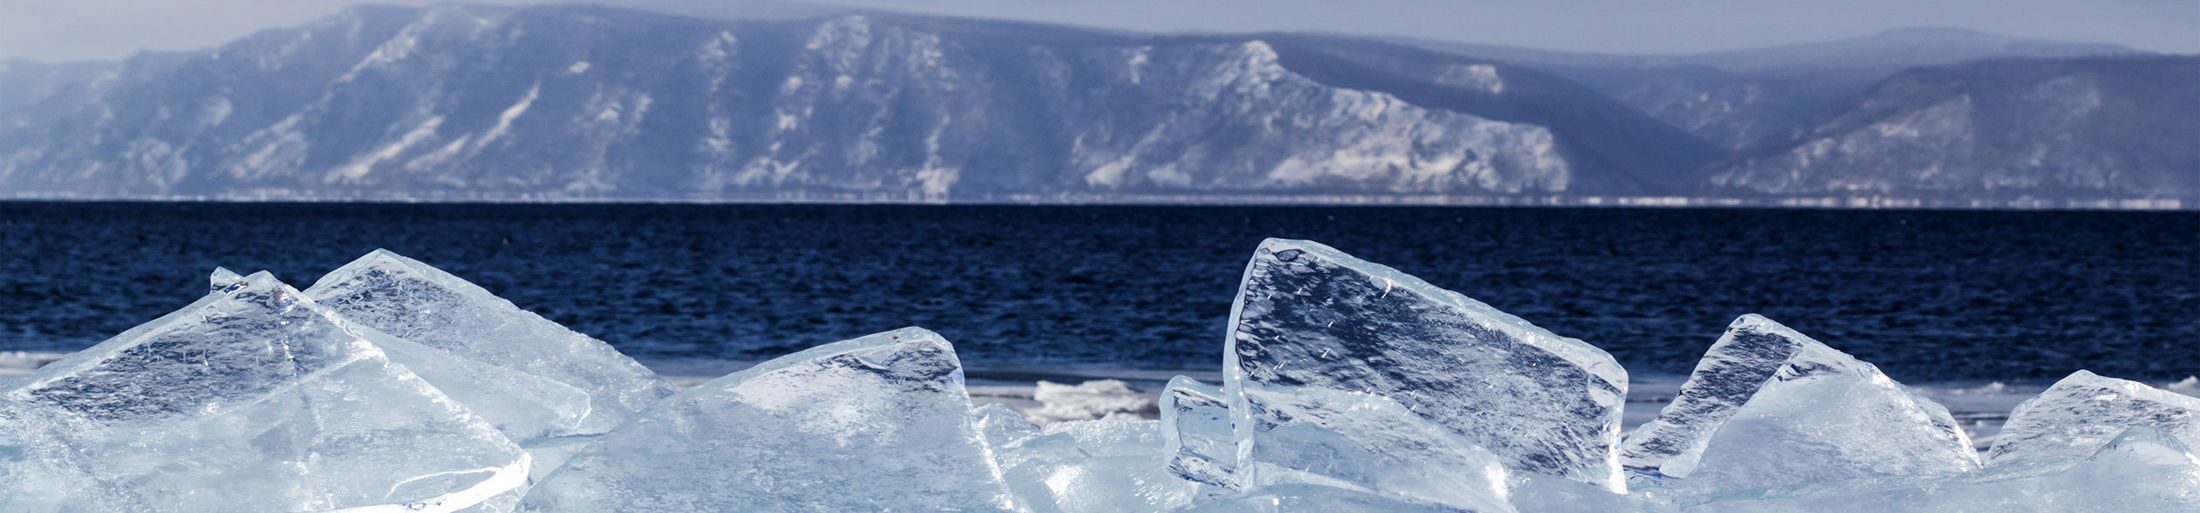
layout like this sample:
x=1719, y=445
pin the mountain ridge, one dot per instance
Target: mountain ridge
x=1994, y=128
x=615, y=103
x=460, y=102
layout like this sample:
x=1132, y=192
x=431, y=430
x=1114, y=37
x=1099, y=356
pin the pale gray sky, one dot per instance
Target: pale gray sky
x=105, y=29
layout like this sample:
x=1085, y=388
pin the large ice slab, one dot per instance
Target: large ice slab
x=2084, y=411
x=1310, y=316
x=523, y=406
x=1113, y=465
x=1363, y=442
x=251, y=399
x=871, y=424
x=1197, y=434
x=411, y=300
x=1769, y=406
x=2142, y=470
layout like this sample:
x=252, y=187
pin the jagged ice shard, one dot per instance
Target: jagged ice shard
x=521, y=405
x=425, y=305
x=1364, y=442
x=1768, y=407
x=1001, y=425
x=1197, y=434
x=1308, y=315
x=223, y=278
x=871, y=424
x=251, y=399
x=2084, y=411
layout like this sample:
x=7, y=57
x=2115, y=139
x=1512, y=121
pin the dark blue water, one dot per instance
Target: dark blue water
x=1926, y=295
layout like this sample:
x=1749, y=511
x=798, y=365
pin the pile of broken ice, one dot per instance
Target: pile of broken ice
x=1347, y=387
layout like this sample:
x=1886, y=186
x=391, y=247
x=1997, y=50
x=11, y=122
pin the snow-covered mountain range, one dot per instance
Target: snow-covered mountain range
x=2124, y=127
x=554, y=103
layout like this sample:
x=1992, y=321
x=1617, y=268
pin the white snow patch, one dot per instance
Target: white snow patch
x=721, y=48
x=283, y=146
x=504, y=120
x=216, y=112
x=1136, y=65
x=440, y=155
x=364, y=164
x=1480, y=77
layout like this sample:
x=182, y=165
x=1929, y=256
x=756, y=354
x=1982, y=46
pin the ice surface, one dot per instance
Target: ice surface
x=1537, y=493
x=1301, y=498
x=1096, y=399
x=1311, y=316
x=252, y=399
x=1113, y=465
x=410, y=300
x=523, y=406
x=2143, y=470
x=1769, y=406
x=1363, y=442
x=1197, y=435
x=2084, y=411
x=876, y=423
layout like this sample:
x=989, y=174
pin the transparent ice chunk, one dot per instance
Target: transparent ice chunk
x=1768, y=406
x=523, y=406
x=1197, y=435
x=2084, y=411
x=1001, y=425
x=1363, y=442
x=876, y=423
x=252, y=398
x=413, y=301
x=1113, y=465
x=1310, y=316
x=223, y=278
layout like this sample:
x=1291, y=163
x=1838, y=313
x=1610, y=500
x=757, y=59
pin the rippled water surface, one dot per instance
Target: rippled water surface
x=1926, y=295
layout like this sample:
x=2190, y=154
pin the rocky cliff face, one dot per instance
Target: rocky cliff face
x=473, y=102
x=2118, y=127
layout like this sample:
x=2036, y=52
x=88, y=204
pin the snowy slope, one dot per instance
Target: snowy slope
x=2104, y=127
x=1738, y=97
x=563, y=102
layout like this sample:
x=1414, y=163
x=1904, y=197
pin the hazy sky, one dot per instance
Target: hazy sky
x=106, y=29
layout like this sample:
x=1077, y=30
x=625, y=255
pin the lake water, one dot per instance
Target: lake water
x=1927, y=295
